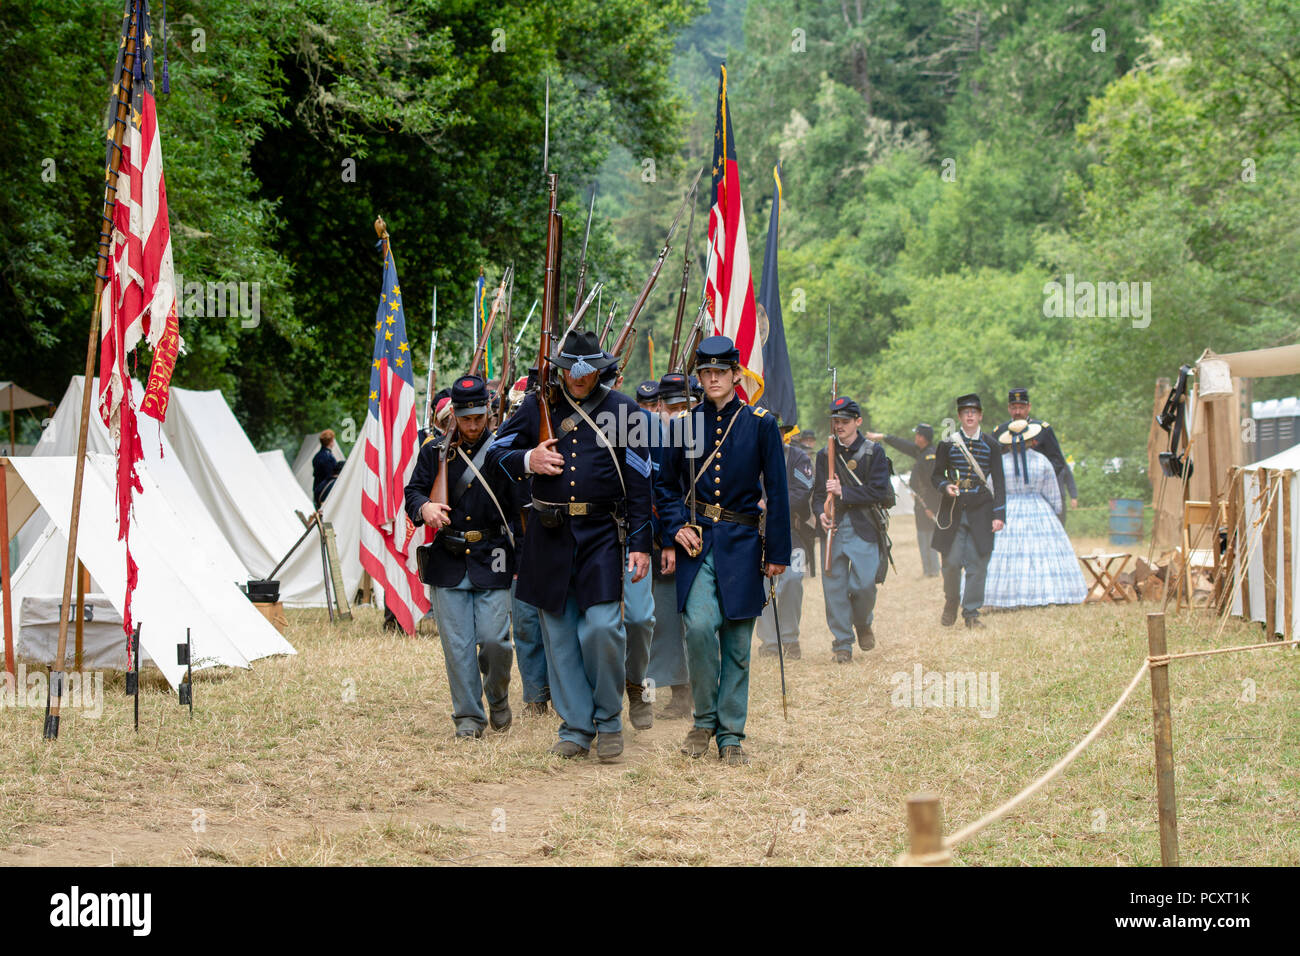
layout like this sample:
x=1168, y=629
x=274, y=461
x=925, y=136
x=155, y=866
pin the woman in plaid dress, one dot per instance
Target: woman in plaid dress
x=1033, y=561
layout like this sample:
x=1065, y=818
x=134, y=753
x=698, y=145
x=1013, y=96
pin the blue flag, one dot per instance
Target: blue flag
x=778, y=378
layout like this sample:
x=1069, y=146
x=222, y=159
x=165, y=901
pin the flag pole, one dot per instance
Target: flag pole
x=103, y=260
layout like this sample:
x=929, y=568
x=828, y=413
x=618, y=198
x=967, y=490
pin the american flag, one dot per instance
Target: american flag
x=729, y=286
x=139, y=296
x=391, y=441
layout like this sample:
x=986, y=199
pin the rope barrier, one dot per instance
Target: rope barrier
x=997, y=814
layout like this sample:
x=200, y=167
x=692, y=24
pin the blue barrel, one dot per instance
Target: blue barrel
x=1126, y=521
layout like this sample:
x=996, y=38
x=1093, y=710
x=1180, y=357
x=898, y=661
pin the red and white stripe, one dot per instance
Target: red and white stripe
x=388, y=537
x=141, y=293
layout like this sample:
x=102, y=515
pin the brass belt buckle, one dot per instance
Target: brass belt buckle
x=699, y=532
x=473, y=537
x=712, y=511
x=577, y=507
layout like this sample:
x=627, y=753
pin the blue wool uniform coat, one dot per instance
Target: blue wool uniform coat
x=585, y=549
x=753, y=450
x=473, y=512
x=980, y=508
x=857, y=498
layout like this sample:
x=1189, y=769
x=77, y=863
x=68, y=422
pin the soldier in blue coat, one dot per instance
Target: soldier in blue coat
x=591, y=503
x=707, y=492
x=470, y=562
x=861, y=486
x=968, y=474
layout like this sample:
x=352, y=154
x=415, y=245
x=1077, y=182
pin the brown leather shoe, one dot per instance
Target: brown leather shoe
x=567, y=749
x=639, y=710
x=843, y=657
x=866, y=639
x=697, y=741
x=733, y=755
x=609, y=746
x=682, y=704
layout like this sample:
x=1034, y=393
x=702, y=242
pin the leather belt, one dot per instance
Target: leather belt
x=722, y=514
x=471, y=537
x=574, y=508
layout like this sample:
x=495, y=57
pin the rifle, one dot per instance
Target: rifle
x=582, y=261
x=830, y=445
x=545, y=431
x=608, y=323
x=514, y=352
x=686, y=358
x=433, y=344
x=629, y=323
x=681, y=298
x=497, y=301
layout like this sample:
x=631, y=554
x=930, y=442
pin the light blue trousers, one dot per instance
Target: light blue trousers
x=668, y=647
x=789, y=598
x=529, y=650
x=586, y=663
x=639, y=622
x=850, y=585
x=474, y=627
x=717, y=652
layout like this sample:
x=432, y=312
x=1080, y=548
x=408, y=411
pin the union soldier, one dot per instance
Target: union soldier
x=925, y=500
x=861, y=484
x=667, y=666
x=973, y=510
x=708, y=492
x=1045, y=442
x=325, y=468
x=470, y=562
x=526, y=625
x=591, y=494
x=789, y=586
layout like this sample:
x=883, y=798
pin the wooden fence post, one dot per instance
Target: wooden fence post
x=925, y=832
x=1164, y=741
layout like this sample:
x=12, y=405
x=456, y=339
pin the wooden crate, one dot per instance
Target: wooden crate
x=274, y=613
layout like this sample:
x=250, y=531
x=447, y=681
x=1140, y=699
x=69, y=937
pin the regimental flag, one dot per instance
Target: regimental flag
x=139, y=294
x=391, y=442
x=729, y=285
x=480, y=322
x=778, y=380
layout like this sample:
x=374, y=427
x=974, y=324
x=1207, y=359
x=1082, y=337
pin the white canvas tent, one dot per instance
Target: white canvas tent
x=233, y=483
x=306, y=452
x=283, y=482
x=179, y=584
x=59, y=439
x=302, y=577
x=1265, y=556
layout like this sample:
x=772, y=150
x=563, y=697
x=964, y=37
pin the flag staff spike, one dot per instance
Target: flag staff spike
x=113, y=163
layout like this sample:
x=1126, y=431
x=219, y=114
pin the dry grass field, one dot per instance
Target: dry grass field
x=345, y=755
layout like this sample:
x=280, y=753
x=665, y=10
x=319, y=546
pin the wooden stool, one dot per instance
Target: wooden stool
x=1105, y=568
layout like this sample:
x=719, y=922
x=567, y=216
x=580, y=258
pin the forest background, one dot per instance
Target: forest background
x=943, y=162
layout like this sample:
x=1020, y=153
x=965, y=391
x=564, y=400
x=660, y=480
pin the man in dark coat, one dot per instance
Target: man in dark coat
x=1047, y=443
x=470, y=562
x=861, y=485
x=925, y=500
x=968, y=475
x=707, y=492
x=324, y=468
x=591, y=504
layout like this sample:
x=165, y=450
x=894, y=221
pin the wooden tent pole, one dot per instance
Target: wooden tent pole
x=1287, y=584
x=1268, y=543
x=103, y=261
x=79, y=645
x=1166, y=803
x=4, y=574
x=1243, y=544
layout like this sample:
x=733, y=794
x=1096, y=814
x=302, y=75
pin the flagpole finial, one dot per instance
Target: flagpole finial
x=381, y=227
